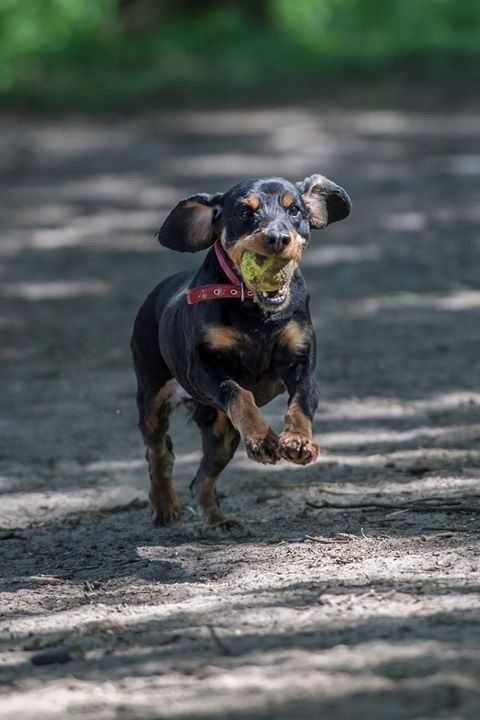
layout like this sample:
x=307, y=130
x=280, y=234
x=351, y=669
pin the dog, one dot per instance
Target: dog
x=224, y=344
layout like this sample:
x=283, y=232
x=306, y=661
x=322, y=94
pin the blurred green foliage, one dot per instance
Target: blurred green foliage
x=105, y=52
x=384, y=30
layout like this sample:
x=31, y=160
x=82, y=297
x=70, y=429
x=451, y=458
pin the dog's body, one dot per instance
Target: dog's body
x=231, y=355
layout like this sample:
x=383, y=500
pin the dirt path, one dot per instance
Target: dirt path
x=366, y=604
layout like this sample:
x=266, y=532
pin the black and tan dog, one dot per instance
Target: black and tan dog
x=226, y=346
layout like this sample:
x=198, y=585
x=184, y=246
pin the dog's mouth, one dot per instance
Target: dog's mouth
x=269, y=276
x=273, y=299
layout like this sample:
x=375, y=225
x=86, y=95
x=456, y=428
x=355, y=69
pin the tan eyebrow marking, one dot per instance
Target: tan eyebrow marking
x=288, y=199
x=252, y=201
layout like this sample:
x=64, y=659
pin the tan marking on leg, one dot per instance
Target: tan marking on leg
x=222, y=427
x=208, y=502
x=162, y=398
x=221, y=423
x=295, y=336
x=160, y=457
x=245, y=416
x=206, y=495
x=295, y=439
x=296, y=421
x=222, y=337
x=260, y=441
x=288, y=199
x=163, y=498
x=219, y=444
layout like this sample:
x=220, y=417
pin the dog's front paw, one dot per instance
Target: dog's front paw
x=263, y=450
x=297, y=448
x=165, y=510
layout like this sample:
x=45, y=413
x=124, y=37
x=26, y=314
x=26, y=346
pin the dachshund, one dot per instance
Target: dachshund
x=219, y=343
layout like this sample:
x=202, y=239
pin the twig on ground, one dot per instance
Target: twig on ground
x=221, y=645
x=420, y=506
x=395, y=513
x=326, y=541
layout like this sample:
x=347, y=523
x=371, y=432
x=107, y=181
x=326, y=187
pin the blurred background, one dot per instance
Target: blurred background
x=70, y=53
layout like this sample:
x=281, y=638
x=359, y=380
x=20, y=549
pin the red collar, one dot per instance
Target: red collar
x=235, y=290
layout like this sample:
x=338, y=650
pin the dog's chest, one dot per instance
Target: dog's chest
x=247, y=354
x=256, y=352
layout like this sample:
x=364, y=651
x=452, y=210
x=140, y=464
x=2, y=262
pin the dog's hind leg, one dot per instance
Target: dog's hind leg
x=160, y=457
x=219, y=442
x=155, y=389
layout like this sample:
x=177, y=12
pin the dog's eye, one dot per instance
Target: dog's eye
x=293, y=210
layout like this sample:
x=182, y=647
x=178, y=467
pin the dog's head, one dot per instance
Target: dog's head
x=266, y=217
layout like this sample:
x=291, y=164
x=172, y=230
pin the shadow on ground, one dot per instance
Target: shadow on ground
x=368, y=608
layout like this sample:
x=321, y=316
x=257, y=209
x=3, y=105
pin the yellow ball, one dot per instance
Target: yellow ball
x=266, y=273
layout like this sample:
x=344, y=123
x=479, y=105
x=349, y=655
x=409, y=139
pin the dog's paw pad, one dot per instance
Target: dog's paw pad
x=297, y=449
x=264, y=450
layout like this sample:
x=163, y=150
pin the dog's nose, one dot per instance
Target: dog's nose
x=278, y=239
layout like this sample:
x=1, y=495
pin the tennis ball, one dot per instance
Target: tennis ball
x=266, y=273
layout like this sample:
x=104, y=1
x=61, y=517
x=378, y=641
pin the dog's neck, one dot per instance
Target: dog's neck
x=234, y=290
x=226, y=264
x=209, y=284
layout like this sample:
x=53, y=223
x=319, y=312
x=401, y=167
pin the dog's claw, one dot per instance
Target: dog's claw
x=297, y=449
x=166, y=513
x=266, y=450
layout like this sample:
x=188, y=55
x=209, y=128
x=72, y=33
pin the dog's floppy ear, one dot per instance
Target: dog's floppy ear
x=190, y=225
x=326, y=201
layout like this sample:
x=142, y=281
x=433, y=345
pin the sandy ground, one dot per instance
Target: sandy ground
x=354, y=585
